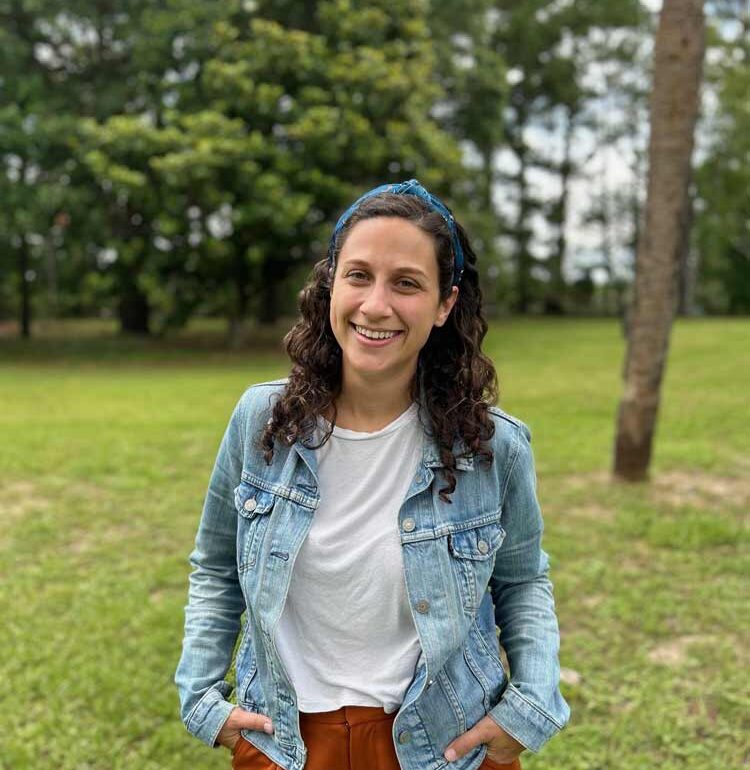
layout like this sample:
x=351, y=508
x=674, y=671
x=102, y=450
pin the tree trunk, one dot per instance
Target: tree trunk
x=24, y=287
x=678, y=62
x=520, y=231
x=554, y=303
x=523, y=236
x=488, y=180
x=686, y=273
x=605, y=222
x=240, y=279
x=133, y=309
x=489, y=229
x=53, y=299
x=272, y=273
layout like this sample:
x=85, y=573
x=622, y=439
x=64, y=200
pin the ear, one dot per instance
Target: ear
x=446, y=306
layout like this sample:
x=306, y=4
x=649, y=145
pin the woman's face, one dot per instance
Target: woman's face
x=385, y=298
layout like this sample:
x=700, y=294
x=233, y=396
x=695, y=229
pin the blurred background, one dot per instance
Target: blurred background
x=171, y=170
x=165, y=161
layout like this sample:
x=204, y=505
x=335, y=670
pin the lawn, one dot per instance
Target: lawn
x=106, y=450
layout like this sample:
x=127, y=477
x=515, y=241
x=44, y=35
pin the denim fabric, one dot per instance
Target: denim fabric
x=469, y=565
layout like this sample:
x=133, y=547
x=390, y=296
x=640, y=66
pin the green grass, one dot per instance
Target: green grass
x=106, y=451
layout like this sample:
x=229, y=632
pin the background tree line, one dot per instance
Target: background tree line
x=167, y=159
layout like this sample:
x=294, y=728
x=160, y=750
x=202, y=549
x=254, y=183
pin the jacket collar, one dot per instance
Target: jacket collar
x=430, y=451
x=431, y=459
x=431, y=455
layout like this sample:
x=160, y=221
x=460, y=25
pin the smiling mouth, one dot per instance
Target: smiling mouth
x=376, y=334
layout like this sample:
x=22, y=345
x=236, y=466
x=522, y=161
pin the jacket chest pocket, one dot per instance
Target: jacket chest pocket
x=472, y=553
x=254, y=508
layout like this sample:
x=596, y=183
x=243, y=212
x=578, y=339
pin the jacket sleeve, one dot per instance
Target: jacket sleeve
x=531, y=708
x=215, y=600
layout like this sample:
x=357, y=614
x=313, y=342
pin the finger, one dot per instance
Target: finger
x=250, y=720
x=464, y=743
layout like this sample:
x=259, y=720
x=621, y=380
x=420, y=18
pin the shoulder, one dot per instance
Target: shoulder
x=511, y=442
x=250, y=416
x=508, y=425
x=253, y=409
x=258, y=399
x=270, y=385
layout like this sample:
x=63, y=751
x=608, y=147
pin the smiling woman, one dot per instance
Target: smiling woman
x=375, y=517
x=385, y=302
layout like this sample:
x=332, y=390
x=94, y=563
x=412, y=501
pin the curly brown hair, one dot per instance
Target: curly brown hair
x=455, y=382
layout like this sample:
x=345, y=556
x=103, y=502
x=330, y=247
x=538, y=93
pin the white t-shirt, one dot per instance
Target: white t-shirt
x=346, y=635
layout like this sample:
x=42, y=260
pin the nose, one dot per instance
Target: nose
x=377, y=302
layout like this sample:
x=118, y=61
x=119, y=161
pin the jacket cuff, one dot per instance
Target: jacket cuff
x=523, y=720
x=210, y=713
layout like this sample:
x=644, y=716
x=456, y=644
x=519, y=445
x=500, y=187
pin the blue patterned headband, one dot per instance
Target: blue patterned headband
x=411, y=187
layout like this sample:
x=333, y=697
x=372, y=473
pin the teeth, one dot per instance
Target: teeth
x=374, y=335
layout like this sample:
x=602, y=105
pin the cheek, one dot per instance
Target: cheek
x=335, y=307
x=338, y=313
x=343, y=304
x=421, y=320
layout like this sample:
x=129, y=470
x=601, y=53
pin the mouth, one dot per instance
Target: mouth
x=377, y=337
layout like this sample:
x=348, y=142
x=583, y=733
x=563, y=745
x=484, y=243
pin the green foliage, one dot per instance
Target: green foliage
x=185, y=157
x=723, y=179
x=513, y=69
x=289, y=124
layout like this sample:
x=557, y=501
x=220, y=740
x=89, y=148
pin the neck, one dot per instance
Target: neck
x=369, y=406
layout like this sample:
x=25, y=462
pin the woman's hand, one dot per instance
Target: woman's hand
x=501, y=747
x=239, y=719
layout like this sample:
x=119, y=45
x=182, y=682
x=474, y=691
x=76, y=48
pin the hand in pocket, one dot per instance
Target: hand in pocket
x=502, y=748
x=239, y=719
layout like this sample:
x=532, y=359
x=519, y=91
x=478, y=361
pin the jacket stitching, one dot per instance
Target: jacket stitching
x=279, y=490
x=433, y=533
x=536, y=708
x=512, y=465
x=452, y=697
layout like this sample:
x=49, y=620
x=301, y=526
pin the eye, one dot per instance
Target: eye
x=357, y=275
x=408, y=283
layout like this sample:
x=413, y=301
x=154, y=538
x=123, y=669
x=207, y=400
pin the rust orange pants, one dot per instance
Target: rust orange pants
x=350, y=738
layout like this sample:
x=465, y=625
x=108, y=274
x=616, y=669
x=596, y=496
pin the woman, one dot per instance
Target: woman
x=376, y=518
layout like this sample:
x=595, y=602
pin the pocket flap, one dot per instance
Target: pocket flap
x=478, y=543
x=251, y=501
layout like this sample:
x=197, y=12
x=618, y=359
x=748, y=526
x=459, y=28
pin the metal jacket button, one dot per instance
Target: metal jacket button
x=404, y=737
x=408, y=525
x=423, y=606
x=483, y=546
x=250, y=504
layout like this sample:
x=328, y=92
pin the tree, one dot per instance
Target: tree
x=62, y=63
x=31, y=155
x=678, y=63
x=546, y=47
x=473, y=74
x=722, y=232
x=616, y=121
x=292, y=123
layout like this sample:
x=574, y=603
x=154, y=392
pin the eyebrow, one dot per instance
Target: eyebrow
x=355, y=262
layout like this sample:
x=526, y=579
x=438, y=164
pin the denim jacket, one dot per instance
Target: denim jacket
x=469, y=566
